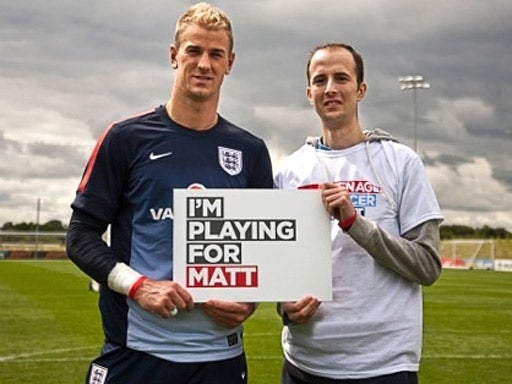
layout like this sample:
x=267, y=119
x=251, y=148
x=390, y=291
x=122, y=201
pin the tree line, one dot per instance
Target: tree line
x=50, y=226
x=464, y=232
x=447, y=231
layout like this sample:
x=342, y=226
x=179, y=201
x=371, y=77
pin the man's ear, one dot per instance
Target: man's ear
x=173, y=51
x=231, y=61
x=361, y=92
x=308, y=95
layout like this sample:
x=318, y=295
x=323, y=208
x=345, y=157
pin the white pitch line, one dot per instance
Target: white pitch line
x=444, y=356
x=57, y=360
x=264, y=357
x=42, y=353
x=246, y=335
x=470, y=357
x=26, y=356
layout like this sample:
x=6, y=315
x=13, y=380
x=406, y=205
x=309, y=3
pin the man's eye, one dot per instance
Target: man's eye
x=217, y=55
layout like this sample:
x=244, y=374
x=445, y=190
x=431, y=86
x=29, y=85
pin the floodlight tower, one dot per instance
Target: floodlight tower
x=38, y=212
x=414, y=82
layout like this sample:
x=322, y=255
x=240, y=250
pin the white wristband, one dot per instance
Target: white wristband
x=121, y=278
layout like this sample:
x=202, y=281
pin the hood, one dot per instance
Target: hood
x=378, y=135
x=375, y=135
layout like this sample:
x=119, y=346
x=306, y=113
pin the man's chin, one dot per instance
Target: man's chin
x=200, y=95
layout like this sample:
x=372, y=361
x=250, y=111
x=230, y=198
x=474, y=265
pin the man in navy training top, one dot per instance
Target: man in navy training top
x=154, y=333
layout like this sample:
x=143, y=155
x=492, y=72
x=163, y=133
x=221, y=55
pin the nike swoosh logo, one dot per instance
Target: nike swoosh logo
x=153, y=156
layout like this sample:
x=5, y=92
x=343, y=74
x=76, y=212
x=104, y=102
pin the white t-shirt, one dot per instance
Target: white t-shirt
x=373, y=326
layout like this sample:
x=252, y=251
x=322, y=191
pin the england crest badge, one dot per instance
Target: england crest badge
x=230, y=160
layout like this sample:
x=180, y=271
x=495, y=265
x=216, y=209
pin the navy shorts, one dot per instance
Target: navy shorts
x=293, y=375
x=126, y=366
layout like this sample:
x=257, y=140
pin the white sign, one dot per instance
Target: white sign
x=504, y=265
x=252, y=245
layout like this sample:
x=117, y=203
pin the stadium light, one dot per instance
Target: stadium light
x=414, y=82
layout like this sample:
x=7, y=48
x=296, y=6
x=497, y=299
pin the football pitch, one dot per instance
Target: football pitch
x=50, y=327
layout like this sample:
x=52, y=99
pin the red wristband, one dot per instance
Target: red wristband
x=347, y=223
x=135, y=287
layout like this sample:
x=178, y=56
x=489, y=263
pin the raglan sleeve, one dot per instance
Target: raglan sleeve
x=418, y=202
x=262, y=169
x=101, y=187
x=414, y=253
x=96, y=203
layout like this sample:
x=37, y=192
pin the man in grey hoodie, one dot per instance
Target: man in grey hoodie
x=385, y=239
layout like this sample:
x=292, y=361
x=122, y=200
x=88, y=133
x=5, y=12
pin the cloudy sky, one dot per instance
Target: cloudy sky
x=69, y=68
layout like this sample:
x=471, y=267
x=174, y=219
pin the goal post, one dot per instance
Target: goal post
x=468, y=253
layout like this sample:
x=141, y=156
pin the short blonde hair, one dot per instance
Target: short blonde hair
x=206, y=16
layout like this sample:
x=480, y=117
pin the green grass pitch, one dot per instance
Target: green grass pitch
x=50, y=327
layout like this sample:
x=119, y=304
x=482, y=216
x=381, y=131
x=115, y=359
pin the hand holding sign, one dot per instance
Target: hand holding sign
x=275, y=249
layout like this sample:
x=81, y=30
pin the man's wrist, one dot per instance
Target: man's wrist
x=284, y=315
x=347, y=223
x=122, y=278
x=135, y=286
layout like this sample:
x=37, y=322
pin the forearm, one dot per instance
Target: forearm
x=86, y=248
x=414, y=256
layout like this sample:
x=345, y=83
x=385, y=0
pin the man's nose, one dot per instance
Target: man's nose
x=204, y=61
x=329, y=87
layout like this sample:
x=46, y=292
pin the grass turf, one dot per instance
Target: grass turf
x=50, y=327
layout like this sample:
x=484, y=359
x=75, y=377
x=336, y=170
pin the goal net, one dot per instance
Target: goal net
x=468, y=254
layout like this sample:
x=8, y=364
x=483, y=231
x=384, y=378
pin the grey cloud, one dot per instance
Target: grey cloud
x=82, y=66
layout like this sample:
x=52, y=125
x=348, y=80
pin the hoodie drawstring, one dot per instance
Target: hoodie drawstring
x=314, y=141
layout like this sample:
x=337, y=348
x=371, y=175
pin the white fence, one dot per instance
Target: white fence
x=31, y=244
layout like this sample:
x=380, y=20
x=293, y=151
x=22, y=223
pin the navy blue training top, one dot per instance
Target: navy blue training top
x=128, y=183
